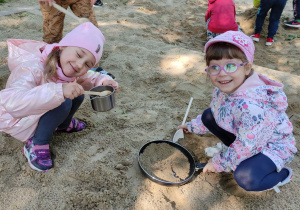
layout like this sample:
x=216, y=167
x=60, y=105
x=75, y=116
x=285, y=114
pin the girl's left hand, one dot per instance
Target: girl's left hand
x=209, y=167
x=112, y=83
x=184, y=128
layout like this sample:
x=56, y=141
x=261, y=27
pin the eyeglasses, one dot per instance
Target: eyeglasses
x=229, y=67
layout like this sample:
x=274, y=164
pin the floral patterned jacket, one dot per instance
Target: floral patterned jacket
x=255, y=114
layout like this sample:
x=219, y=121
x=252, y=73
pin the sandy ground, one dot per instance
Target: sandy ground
x=155, y=50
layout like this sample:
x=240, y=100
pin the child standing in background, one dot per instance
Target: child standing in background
x=220, y=17
x=276, y=7
x=247, y=113
x=53, y=19
x=45, y=89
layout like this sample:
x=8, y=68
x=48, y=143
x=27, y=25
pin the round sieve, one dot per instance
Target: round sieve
x=193, y=166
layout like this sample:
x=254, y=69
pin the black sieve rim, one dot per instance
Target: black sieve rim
x=177, y=146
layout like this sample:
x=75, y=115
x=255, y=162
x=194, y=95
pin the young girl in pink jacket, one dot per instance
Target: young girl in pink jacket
x=45, y=89
x=247, y=113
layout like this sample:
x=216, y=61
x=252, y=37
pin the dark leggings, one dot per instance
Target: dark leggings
x=276, y=7
x=60, y=117
x=249, y=174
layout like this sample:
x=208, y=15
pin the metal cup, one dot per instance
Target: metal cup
x=103, y=103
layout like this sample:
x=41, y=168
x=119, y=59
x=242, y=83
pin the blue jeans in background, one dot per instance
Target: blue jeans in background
x=276, y=7
x=60, y=117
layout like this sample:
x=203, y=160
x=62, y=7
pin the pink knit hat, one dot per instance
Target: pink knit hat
x=86, y=36
x=238, y=39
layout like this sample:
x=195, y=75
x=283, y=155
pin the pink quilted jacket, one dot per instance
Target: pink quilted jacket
x=27, y=95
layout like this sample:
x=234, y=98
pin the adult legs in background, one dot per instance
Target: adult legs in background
x=276, y=12
x=53, y=22
x=258, y=173
x=83, y=8
x=53, y=19
x=60, y=117
x=210, y=123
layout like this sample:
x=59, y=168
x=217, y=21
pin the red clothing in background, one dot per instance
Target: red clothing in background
x=222, y=16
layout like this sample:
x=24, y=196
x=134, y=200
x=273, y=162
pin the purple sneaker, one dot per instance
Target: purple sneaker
x=74, y=126
x=38, y=156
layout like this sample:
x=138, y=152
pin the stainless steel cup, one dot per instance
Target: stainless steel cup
x=103, y=103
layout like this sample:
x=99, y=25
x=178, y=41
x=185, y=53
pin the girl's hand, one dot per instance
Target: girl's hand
x=209, y=167
x=72, y=90
x=49, y=2
x=112, y=83
x=184, y=128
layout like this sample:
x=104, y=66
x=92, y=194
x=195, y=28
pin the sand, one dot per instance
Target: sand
x=165, y=162
x=155, y=50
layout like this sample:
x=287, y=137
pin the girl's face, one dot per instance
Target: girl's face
x=76, y=61
x=230, y=82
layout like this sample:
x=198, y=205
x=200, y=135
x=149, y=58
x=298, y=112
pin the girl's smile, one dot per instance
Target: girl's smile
x=225, y=82
x=73, y=68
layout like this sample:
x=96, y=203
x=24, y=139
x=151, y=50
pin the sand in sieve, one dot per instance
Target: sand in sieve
x=165, y=162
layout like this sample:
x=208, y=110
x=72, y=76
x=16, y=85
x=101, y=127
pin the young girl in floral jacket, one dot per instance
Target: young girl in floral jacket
x=247, y=113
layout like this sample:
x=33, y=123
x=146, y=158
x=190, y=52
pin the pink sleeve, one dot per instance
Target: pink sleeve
x=196, y=126
x=92, y=79
x=26, y=94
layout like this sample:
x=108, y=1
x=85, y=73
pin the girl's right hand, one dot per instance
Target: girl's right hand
x=209, y=167
x=184, y=128
x=72, y=90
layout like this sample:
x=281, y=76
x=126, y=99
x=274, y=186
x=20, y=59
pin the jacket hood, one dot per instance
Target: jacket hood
x=20, y=51
x=264, y=90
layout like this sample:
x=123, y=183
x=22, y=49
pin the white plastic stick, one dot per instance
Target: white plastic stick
x=187, y=111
